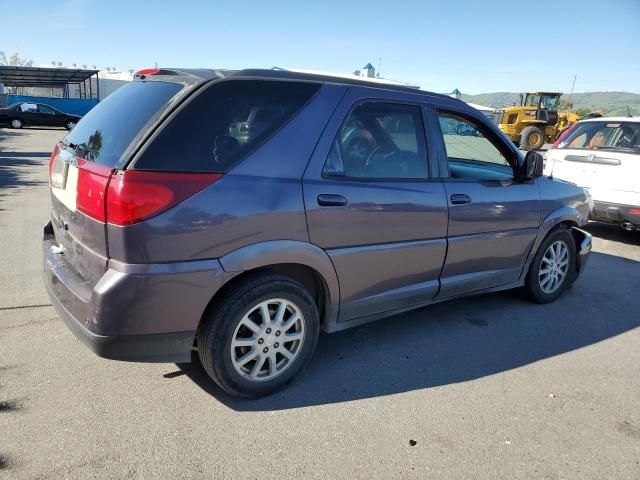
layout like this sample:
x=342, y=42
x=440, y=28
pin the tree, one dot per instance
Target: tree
x=582, y=111
x=15, y=60
x=565, y=105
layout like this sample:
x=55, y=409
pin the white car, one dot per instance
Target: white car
x=602, y=155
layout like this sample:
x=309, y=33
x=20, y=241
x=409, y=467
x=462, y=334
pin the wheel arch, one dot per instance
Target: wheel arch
x=565, y=217
x=304, y=262
x=17, y=117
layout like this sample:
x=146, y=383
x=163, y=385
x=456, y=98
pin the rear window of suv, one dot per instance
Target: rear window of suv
x=223, y=124
x=620, y=136
x=103, y=135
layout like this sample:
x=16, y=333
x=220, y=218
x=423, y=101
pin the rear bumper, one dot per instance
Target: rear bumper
x=614, y=213
x=167, y=347
x=135, y=312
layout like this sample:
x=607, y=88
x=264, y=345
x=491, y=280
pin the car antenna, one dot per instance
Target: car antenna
x=628, y=111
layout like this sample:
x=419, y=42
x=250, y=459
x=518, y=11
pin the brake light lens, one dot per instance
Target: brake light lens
x=562, y=136
x=135, y=195
x=634, y=211
x=93, y=180
x=129, y=196
x=148, y=71
x=54, y=154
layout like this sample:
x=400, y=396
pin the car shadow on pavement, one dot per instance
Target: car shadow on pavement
x=453, y=342
x=12, y=171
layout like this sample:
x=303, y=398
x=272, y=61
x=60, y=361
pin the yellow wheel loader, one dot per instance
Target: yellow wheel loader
x=536, y=121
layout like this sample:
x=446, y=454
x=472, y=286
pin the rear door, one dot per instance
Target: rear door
x=82, y=162
x=493, y=219
x=373, y=206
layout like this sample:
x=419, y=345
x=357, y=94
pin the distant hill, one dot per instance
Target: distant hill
x=610, y=103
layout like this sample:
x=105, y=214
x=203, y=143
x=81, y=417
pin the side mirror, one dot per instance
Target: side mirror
x=533, y=165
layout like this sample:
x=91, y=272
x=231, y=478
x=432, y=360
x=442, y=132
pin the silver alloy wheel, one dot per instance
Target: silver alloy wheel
x=15, y=123
x=554, y=267
x=267, y=339
x=71, y=125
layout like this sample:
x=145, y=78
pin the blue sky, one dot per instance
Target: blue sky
x=479, y=46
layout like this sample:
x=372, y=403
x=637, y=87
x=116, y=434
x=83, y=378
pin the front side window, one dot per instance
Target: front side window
x=470, y=153
x=621, y=136
x=379, y=141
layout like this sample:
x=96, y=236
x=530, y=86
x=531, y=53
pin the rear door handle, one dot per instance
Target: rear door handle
x=331, y=200
x=460, y=198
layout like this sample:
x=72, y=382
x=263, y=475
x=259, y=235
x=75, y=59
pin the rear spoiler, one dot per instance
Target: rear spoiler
x=198, y=73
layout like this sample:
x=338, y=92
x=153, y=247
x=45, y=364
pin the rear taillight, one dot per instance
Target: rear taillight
x=93, y=180
x=54, y=154
x=562, y=136
x=634, y=211
x=129, y=196
x=133, y=195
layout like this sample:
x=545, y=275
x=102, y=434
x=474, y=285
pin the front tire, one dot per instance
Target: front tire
x=259, y=336
x=531, y=138
x=16, y=123
x=553, y=269
x=69, y=124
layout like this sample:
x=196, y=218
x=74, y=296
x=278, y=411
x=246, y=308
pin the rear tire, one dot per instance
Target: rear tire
x=531, y=138
x=69, y=124
x=236, y=329
x=16, y=123
x=553, y=269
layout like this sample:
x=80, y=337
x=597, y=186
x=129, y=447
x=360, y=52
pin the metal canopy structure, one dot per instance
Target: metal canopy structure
x=14, y=76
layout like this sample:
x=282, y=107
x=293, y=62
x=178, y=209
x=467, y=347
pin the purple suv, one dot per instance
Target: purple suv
x=238, y=213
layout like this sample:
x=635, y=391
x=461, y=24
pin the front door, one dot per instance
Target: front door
x=493, y=219
x=373, y=208
x=47, y=116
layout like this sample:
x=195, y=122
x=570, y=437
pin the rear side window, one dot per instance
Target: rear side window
x=621, y=136
x=223, y=124
x=109, y=128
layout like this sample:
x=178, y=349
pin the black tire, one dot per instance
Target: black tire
x=530, y=134
x=532, y=288
x=217, y=329
x=16, y=123
x=69, y=124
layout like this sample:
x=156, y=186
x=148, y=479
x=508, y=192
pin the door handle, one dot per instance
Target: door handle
x=331, y=200
x=460, y=198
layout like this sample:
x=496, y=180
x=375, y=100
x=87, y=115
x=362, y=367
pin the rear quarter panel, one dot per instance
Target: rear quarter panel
x=257, y=201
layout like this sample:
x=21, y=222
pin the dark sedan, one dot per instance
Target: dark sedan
x=23, y=114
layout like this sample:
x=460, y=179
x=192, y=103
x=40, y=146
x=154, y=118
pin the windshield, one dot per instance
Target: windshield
x=623, y=136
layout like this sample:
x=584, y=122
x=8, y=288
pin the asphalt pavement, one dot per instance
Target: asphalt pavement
x=482, y=388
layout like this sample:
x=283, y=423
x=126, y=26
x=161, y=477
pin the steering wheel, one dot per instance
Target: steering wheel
x=359, y=147
x=390, y=159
